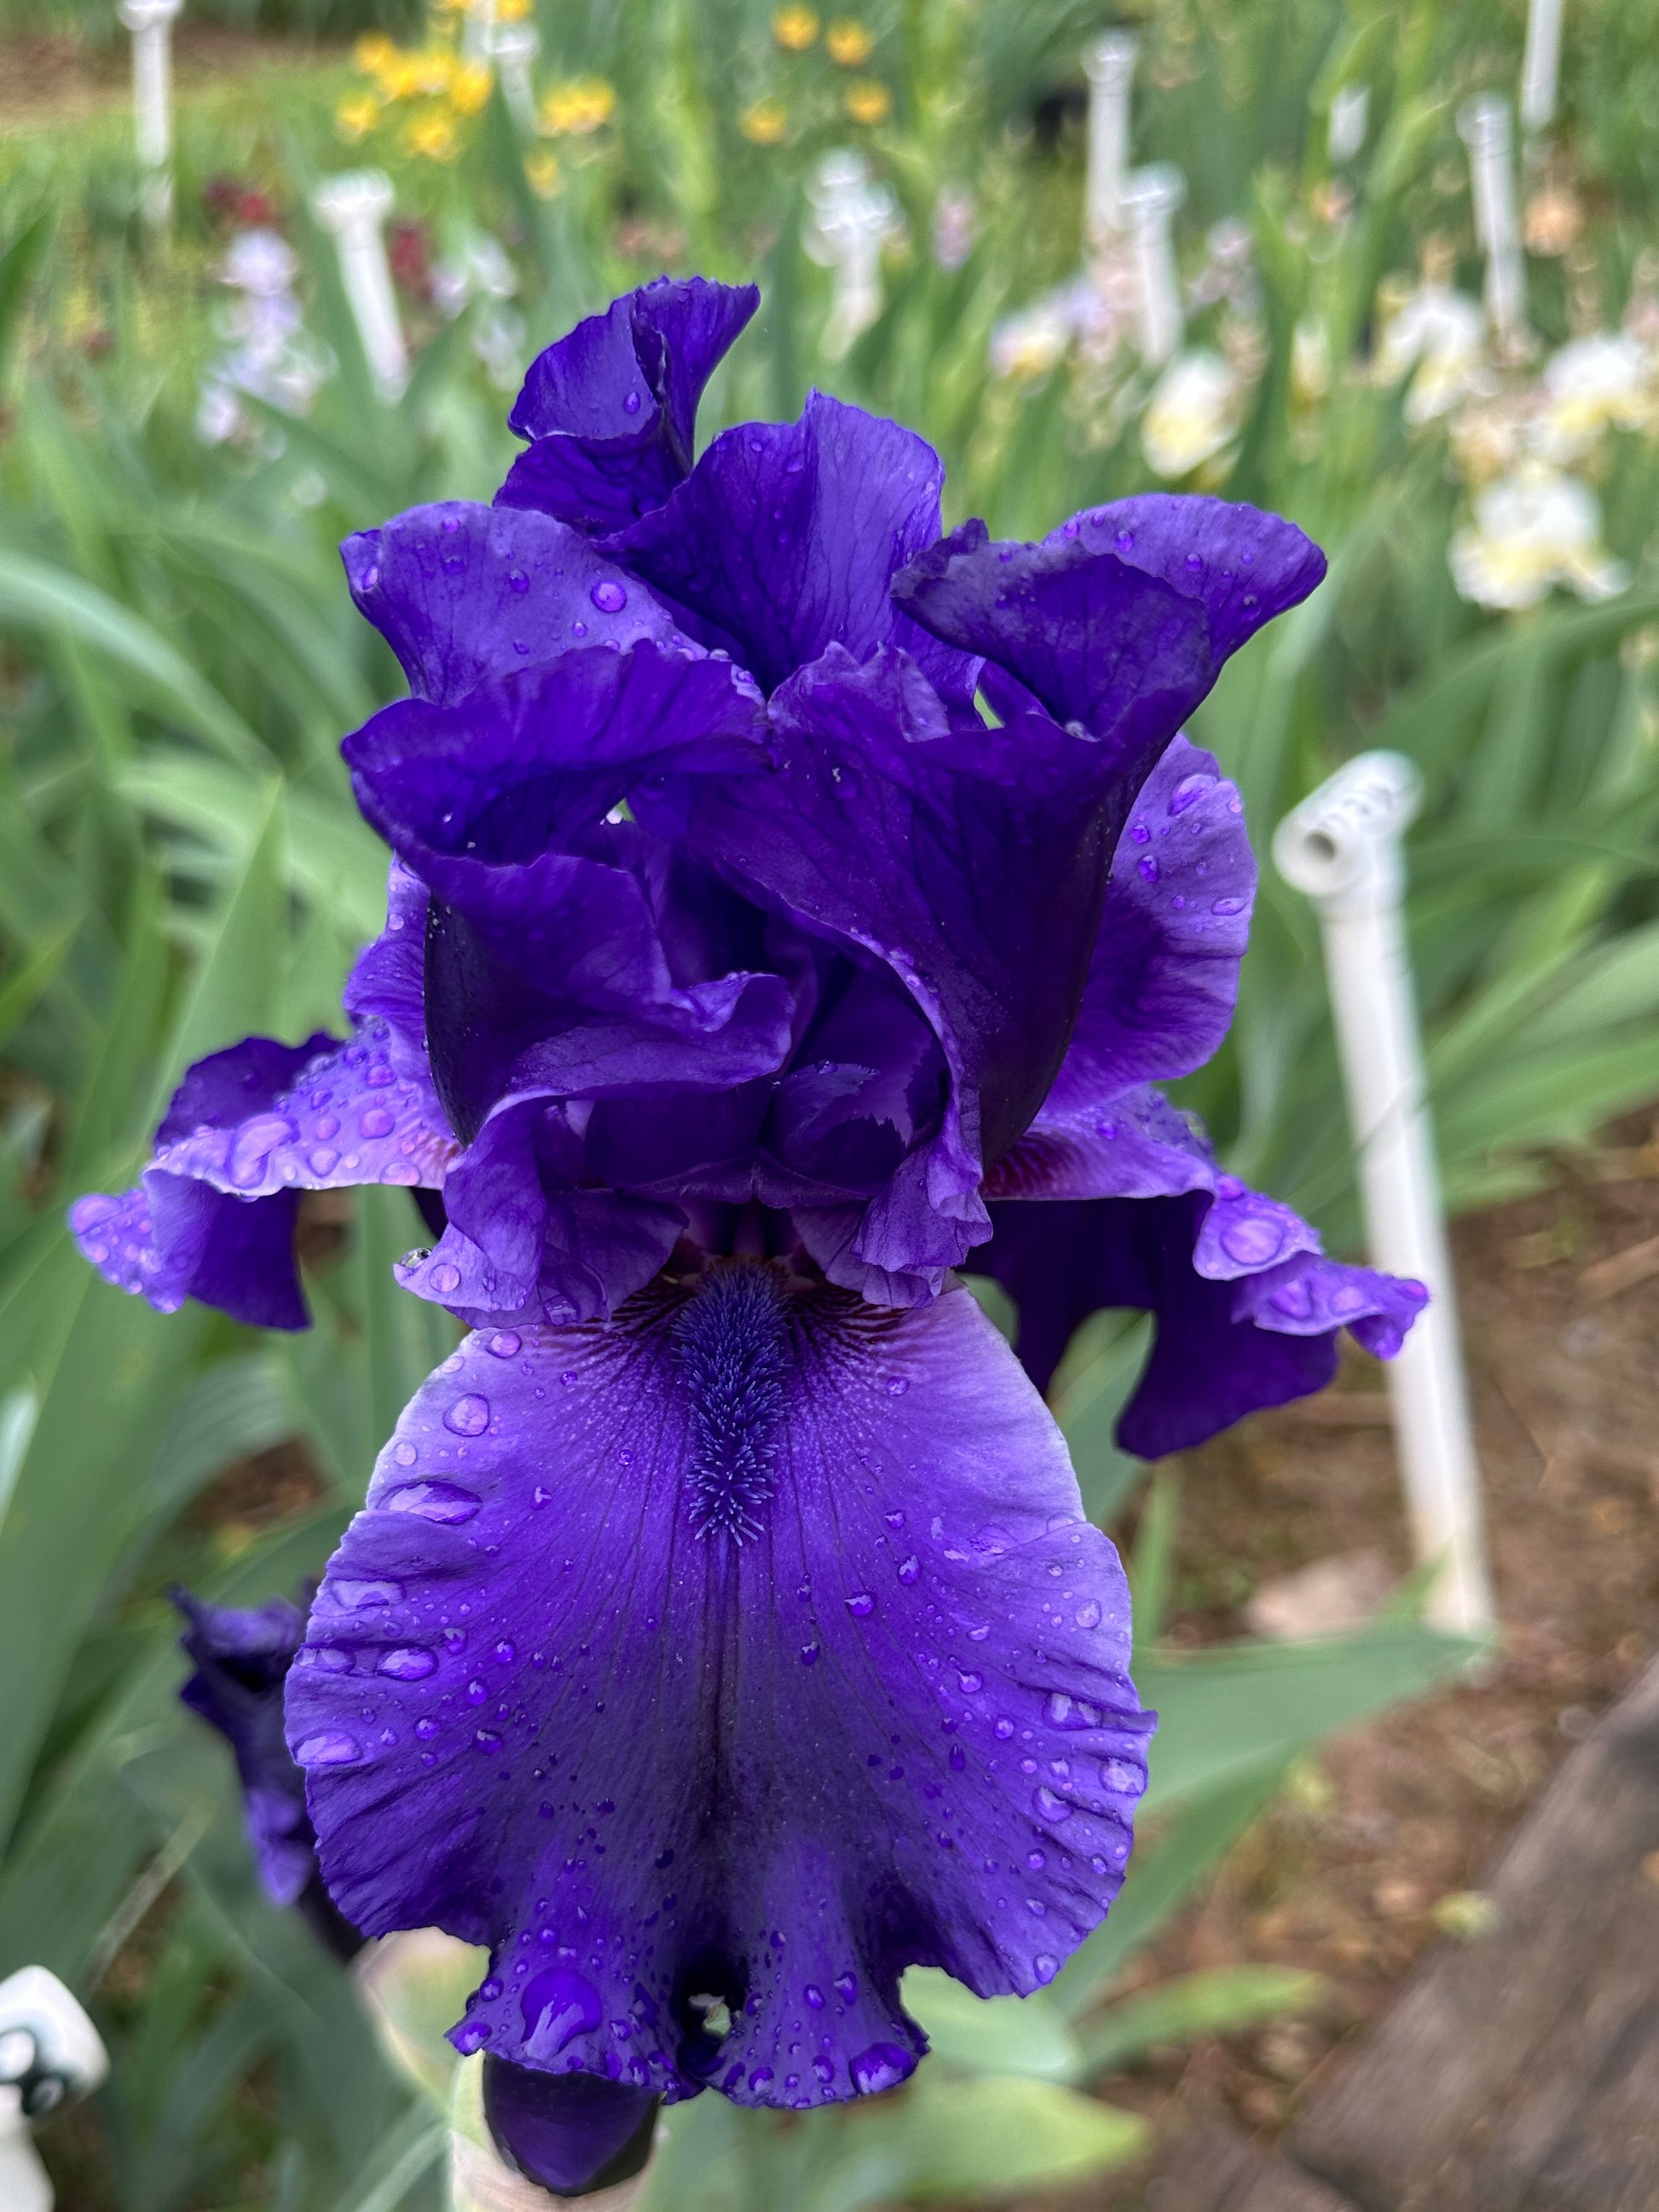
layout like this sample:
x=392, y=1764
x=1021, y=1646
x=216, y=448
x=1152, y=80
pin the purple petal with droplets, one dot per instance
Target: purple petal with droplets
x=463, y=592
x=876, y=1714
x=784, y=539
x=612, y=407
x=242, y=1656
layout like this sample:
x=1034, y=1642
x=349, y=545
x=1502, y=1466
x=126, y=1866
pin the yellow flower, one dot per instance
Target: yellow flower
x=355, y=118
x=542, y=170
x=512, y=11
x=582, y=105
x=432, y=135
x=868, y=101
x=765, y=123
x=375, y=53
x=794, y=28
x=433, y=70
x=470, y=88
x=850, y=42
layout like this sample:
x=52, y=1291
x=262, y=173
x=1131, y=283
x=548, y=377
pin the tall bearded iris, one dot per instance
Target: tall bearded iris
x=776, y=882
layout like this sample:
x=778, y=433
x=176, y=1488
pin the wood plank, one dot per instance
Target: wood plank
x=1521, y=2073
x=1215, y=2170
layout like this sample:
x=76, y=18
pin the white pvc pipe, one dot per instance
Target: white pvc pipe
x=1342, y=848
x=1483, y=124
x=150, y=22
x=1109, y=62
x=1150, y=197
x=512, y=47
x=49, y=2047
x=1541, y=65
x=354, y=205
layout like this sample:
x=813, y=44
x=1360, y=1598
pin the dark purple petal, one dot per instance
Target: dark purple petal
x=612, y=408
x=724, y=1661
x=1164, y=976
x=784, y=539
x=1244, y=568
x=472, y=795
x=524, y=1241
x=386, y=980
x=572, y=2133
x=972, y=864
x=242, y=1656
x=1247, y=1307
x=463, y=592
x=1122, y=619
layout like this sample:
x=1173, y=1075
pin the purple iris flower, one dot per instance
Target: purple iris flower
x=780, y=887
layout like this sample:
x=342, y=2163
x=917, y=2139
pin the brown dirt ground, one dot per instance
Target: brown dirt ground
x=1343, y=1876
x=54, y=76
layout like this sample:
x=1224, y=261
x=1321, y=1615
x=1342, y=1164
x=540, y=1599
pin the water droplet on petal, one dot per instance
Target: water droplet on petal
x=1045, y=1966
x=909, y=1571
x=446, y=1277
x=506, y=1344
x=328, y=1749
x=1148, y=868
x=1228, y=905
x=252, y=1145
x=631, y=403
x=443, y=1502
x=883, y=2066
x=971, y=1684
x=1253, y=1241
x=470, y=1415
x=410, y=1662
x=1088, y=1616
x=1051, y=1807
x=861, y=1604
x=558, y=2006
x=609, y=595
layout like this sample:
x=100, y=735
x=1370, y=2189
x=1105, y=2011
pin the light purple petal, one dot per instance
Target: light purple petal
x=749, y=1650
x=463, y=592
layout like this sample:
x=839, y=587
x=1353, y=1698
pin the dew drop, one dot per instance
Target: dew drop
x=609, y=595
x=1045, y=1966
x=809, y=1654
x=504, y=1344
x=377, y=1122
x=323, y=1160
x=631, y=403
x=470, y=1415
x=847, y=1987
x=883, y=2066
x=1252, y=1242
x=558, y=2006
x=252, y=1145
x=971, y=1683
x=1088, y=1615
x=410, y=1662
x=1051, y=1807
x=330, y=1749
x=909, y=1571
x=405, y=1453
x=1148, y=868
x=443, y=1502
x=426, y=1728
x=861, y=1604
x=1228, y=905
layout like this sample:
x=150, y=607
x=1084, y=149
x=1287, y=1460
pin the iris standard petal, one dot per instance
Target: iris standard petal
x=972, y=864
x=612, y=408
x=786, y=535
x=1244, y=566
x=531, y=764
x=714, y=1667
x=463, y=592
x=1164, y=976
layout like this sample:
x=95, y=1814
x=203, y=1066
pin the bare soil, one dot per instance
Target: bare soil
x=1349, y=1873
x=54, y=78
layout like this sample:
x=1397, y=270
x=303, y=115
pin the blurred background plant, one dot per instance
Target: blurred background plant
x=191, y=423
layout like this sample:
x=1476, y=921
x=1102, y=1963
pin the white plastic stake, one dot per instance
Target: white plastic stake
x=1483, y=124
x=50, y=2054
x=512, y=47
x=1150, y=197
x=1349, y=116
x=1342, y=848
x=852, y=218
x=1541, y=65
x=1109, y=62
x=150, y=22
x=354, y=205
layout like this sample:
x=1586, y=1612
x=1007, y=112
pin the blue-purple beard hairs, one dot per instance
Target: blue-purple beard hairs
x=729, y=1346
